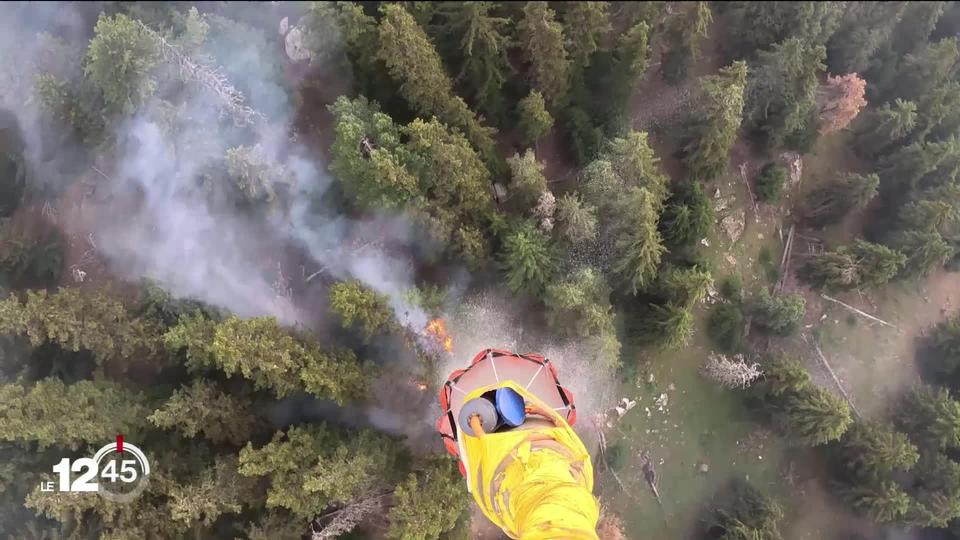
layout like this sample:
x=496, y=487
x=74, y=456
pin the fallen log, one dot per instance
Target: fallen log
x=858, y=312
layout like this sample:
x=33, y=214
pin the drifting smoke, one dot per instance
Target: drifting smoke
x=154, y=217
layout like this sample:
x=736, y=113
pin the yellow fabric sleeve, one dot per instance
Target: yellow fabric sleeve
x=532, y=490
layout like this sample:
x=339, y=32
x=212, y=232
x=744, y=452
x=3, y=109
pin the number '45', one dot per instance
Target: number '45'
x=127, y=474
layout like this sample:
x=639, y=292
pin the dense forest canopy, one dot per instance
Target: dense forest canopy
x=225, y=227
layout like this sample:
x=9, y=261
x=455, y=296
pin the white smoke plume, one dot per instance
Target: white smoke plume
x=152, y=217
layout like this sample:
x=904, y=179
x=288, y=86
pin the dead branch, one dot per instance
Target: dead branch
x=785, y=260
x=756, y=207
x=858, y=312
x=210, y=77
x=836, y=380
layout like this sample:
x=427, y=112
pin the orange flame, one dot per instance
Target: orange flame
x=437, y=330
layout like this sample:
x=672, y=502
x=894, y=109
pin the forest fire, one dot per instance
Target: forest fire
x=437, y=329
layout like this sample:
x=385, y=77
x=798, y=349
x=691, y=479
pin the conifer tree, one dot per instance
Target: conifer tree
x=428, y=503
x=945, y=344
x=482, y=43
x=587, y=23
x=119, y=60
x=745, y=513
x=367, y=157
x=79, y=320
x=669, y=326
x=721, y=114
x=639, y=246
x=362, y=307
x=683, y=286
x=308, y=468
x=830, y=202
x=687, y=217
x=861, y=264
x=527, y=180
x=883, y=502
x=259, y=350
x=931, y=415
x=579, y=307
x=782, y=92
x=50, y=412
x=201, y=409
x=527, y=259
x=541, y=38
x=927, y=69
x=779, y=315
x=918, y=21
x=813, y=416
x=684, y=32
x=873, y=450
x=534, y=120
x=865, y=27
x=925, y=251
x=576, y=220
x=411, y=59
x=885, y=127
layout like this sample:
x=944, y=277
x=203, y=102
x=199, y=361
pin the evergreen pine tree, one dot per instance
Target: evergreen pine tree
x=542, y=40
x=830, y=202
x=527, y=259
x=722, y=112
x=534, y=121
x=873, y=450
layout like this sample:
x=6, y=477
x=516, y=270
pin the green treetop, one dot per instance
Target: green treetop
x=638, y=243
x=366, y=156
x=883, y=502
x=873, y=450
x=482, y=43
x=721, y=114
x=541, y=38
x=259, y=350
x=527, y=259
x=831, y=202
x=861, y=264
x=576, y=220
x=119, y=60
x=308, y=468
x=201, y=408
x=49, y=412
x=587, y=23
x=534, y=121
x=780, y=315
x=360, y=306
x=882, y=128
x=814, y=416
x=411, y=59
x=579, y=307
x=527, y=180
x=78, y=320
x=428, y=503
x=931, y=415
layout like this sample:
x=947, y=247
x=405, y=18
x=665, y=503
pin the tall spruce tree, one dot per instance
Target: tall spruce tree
x=541, y=39
x=720, y=117
x=411, y=59
x=482, y=41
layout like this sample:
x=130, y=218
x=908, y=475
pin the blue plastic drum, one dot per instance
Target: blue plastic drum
x=510, y=405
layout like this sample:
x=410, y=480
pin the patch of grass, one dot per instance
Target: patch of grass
x=617, y=456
